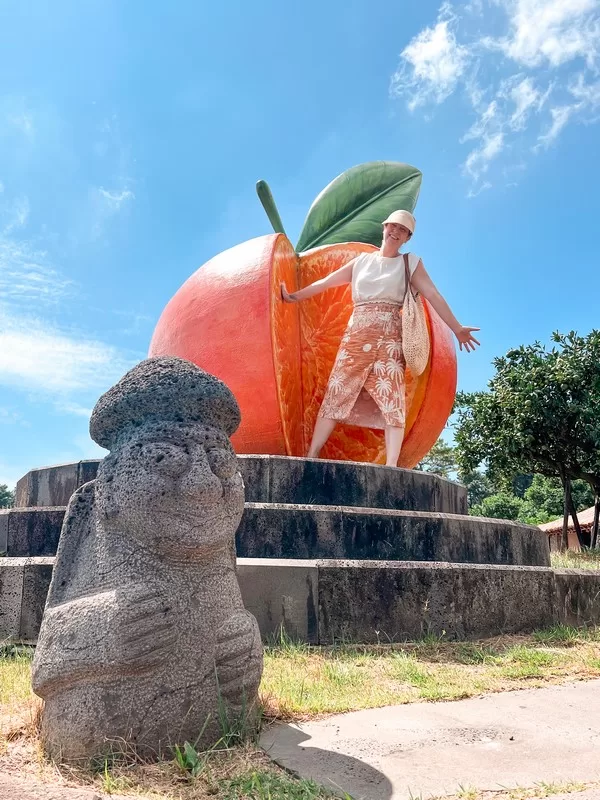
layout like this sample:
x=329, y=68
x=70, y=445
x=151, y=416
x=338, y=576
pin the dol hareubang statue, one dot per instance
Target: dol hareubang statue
x=144, y=635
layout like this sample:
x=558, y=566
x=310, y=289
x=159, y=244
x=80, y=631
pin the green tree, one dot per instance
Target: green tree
x=441, y=460
x=544, y=499
x=478, y=486
x=520, y=484
x=540, y=415
x=6, y=496
x=501, y=506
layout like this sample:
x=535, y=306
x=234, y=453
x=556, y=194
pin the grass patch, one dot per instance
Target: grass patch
x=241, y=773
x=541, y=789
x=266, y=785
x=302, y=682
x=299, y=682
x=572, y=559
x=235, y=769
x=15, y=675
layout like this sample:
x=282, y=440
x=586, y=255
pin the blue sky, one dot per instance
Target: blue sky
x=132, y=134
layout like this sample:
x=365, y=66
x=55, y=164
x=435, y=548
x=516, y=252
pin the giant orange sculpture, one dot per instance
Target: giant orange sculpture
x=229, y=319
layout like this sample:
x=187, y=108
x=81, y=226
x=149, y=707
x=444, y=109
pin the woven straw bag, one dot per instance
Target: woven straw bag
x=415, y=336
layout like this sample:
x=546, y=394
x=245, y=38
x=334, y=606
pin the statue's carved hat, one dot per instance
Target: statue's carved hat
x=163, y=389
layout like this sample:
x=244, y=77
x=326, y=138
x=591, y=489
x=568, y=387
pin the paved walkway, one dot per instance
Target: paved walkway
x=521, y=738
x=15, y=788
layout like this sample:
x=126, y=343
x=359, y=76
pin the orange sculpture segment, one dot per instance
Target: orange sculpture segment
x=224, y=319
x=276, y=357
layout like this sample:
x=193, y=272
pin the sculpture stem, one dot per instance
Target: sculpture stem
x=268, y=203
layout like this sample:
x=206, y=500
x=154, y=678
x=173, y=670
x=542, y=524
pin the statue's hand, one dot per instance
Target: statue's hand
x=145, y=628
x=239, y=659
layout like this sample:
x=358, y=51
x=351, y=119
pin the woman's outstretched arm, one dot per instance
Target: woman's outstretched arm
x=422, y=283
x=338, y=278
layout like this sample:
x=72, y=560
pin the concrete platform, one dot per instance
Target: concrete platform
x=30, y=531
x=322, y=602
x=283, y=479
x=24, y=584
x=319, y=532
x=341, y=532
x=424, y=750
x=54, y=485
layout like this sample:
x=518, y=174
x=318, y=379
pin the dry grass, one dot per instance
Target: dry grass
x=237, y=773
x=588, y=559
x=243, y=772
x=19, y=707
x=301, y=682
x=240, y=773
x=538, y=790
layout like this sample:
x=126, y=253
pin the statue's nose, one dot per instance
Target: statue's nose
x=199, y=481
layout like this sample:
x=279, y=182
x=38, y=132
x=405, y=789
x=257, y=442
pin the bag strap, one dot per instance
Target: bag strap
x=407, y=274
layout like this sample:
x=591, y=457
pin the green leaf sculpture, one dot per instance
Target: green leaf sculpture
x=353, y=206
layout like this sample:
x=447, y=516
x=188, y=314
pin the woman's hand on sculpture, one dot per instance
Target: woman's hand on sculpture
x=466, y=339
x=286, y=296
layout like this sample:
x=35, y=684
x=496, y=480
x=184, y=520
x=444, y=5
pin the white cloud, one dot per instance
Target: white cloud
x=556, y=45
x=76, y=409
x=15, y=215
x=552, y=31
x=587, y=93
x=23, y=122
x=560, y=116
x=487, y=120
x=42, y=359
x=87, y=448
x=478, y=160
x=115, y=200
x=526, y=99
x=26, y=278
x=516, y=100
x=432, y=63
x=9, y=416
x=37, y=356
x=588, y=97
x=105, y=205
x=482, y=188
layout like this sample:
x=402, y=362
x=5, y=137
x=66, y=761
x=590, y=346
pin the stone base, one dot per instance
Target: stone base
x=323, y=602
x=24, y=584
x=377, y=534
x=283, y=479
x=283, y=531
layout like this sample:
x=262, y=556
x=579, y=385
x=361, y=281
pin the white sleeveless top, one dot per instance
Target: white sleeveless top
x=375, y=277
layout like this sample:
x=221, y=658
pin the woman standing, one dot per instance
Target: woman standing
x=366, y=386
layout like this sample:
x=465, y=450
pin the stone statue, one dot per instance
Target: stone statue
x=145, y=637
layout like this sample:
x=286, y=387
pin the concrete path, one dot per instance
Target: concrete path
x=549, y=735
x=16, y=788
x=589, y=794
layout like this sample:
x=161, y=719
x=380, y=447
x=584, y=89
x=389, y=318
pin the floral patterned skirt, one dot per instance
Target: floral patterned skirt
x=366, y=386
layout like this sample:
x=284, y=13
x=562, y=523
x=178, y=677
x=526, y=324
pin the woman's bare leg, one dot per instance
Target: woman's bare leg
x=393, y=444
x=323, y=430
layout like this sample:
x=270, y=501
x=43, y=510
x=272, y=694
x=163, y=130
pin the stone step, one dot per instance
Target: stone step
x=297, y=531
x=283, y=479
x=341, y=532
x=323, y=602
x=28, y=532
